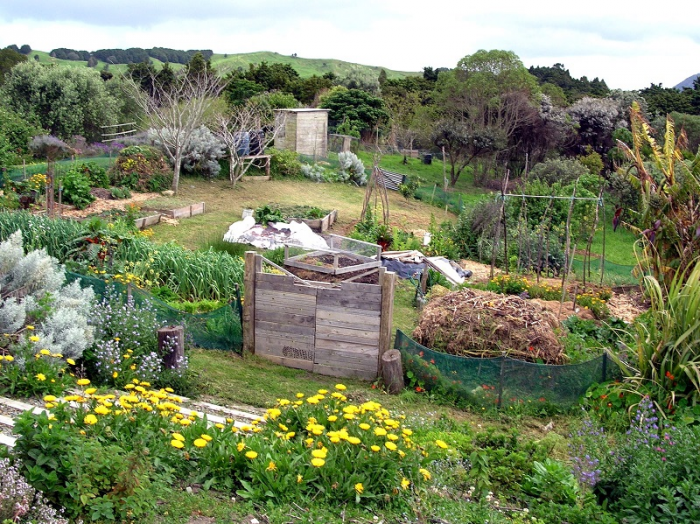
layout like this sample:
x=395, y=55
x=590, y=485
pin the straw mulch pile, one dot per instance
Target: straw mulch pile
x=482, y=324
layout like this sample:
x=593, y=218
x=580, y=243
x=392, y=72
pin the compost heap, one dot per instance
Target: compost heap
x=482, y=324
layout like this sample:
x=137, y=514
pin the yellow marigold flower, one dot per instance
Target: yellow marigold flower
x=375, y=448
x=425, y=473
x=9, y=358
x=284, y=402
x=271, y=467
x=70, y=361
x=392, y=437
x=322, y=391
x=300, y=395
x=348, y=416
x=132, y=367
x=102, y=410
x=145, y=384
x=298, y=402
x=364, y=426
x=206, y=437
x=317, y=462
x=299, y=479
x=274, y=413
x=170, y=390
x=312, y=400
x=340, y=387
x=50, y=405
x=380, y=432
x=405, y=483
x=332, y=418
x=441, y=444
x=401, y=453
x=200, y=442
x=177, y=444
x=390, y=446
x=407, y=432
x=115, y=374
x=90, y=419
x=40, y=377
x=319, y=453
x=354, y=440
x=219, y=425
x=251, y=454
x=185, y=421
x=359, y=488
x=83, y=382
x=90, y=391
x=49, y=398
x=43, y=351
x=240, y=447
x=290, y=435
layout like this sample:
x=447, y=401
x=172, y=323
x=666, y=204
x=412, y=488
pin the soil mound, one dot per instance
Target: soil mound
x=482, y=324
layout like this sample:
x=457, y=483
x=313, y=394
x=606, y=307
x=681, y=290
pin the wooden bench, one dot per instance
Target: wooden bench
x=266, y=158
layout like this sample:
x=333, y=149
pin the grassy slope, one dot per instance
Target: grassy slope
x=304, y=66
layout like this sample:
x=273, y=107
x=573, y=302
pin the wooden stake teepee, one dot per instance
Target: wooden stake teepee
x=376, y=181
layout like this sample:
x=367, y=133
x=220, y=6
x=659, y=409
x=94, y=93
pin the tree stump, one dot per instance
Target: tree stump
x=392, y=371
x=171, y=344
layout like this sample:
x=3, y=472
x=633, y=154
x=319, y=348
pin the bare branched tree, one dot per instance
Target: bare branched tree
x=175, y=110
x=247, y=130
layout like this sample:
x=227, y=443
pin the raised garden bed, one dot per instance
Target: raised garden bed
x=182, y=212
x=316, y=218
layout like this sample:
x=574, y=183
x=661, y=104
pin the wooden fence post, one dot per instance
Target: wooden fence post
x=171, y=344
x=386, y=281
x=253, y=265
x=392, y=371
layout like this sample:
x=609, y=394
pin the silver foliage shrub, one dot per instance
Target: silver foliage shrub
x=315, y=172
x=32, y=288
x=351, y=168
x=201, y=153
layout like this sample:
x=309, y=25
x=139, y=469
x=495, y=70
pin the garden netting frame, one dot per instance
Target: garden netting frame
x=218, y=329
x=502, y=382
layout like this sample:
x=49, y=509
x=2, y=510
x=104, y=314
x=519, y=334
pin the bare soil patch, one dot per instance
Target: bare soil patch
x=102, y=204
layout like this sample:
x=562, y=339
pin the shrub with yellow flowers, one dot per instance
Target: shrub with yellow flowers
x=594, y=303
x=309, y=447
x=31, y=371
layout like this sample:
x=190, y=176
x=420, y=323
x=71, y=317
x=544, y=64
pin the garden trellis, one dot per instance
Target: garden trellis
x=544, y=259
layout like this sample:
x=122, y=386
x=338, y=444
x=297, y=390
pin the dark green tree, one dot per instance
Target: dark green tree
x=9, y=58
x=355, y=107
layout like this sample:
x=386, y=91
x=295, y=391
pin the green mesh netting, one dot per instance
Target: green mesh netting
x=453, y=201
x=61, y=167
x=502, y=382
x=218, y=329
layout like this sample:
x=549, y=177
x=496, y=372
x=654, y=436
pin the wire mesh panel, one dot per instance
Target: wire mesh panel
x=218, y=329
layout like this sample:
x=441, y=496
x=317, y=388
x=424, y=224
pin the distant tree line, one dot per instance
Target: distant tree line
x=133, y=55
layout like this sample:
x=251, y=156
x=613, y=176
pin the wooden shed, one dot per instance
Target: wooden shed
x=302, y=130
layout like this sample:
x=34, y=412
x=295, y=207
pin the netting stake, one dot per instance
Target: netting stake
x=500, y=381
x=605, y=366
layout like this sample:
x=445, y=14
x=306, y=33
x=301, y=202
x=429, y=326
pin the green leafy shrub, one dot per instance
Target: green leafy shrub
x=284, y=163
x=96, y=175
x=120, y=193
x=552, y=481
x=76, y=189
x=141, y=168
x=267, y=213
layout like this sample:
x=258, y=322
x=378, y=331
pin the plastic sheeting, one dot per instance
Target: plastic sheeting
x=274, y=235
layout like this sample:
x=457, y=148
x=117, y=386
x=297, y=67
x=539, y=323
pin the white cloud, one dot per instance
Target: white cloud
x=627, y=46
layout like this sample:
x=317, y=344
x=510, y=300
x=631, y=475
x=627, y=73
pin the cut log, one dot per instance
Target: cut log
x=392, y=372
x=171, y=344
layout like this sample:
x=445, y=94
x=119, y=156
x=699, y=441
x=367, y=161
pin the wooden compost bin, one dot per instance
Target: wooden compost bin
x=341, y=330
x=320, y=224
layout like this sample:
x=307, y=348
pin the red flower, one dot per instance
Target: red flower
x=432, y=361
x=419, y=389
x=542, y=399
x=531, y=348
x=420, y=354
x=669, y=376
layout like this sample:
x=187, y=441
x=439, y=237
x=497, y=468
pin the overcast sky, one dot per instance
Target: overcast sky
x=617, y=40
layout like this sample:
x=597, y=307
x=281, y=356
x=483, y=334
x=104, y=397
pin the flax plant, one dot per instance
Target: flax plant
x=665, y=358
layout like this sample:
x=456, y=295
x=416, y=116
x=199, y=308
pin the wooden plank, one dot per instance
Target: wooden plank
x=338, y=337
x=349, y=347
x=331, y=332
x=8, y=441
x=346, y=316
x=269, y=307
x=335, y=371
x=229, y=411
x=253, y=264
x=372, y=298
x=363, y=313
x=197, y=209
x=285, y=318
x=269, y=277
x=386, y=280
x=300, y=298
x=273, y=340
x=6, y=421
x=350, y=303
x=365, y=357
x=306, y=365
x=274, y=327
x=324, y=360
x=356, y=287
x=21, y=405
x=358, y=267
x=286, y=287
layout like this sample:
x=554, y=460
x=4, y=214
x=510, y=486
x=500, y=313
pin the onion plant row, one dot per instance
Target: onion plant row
x=193, y=275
